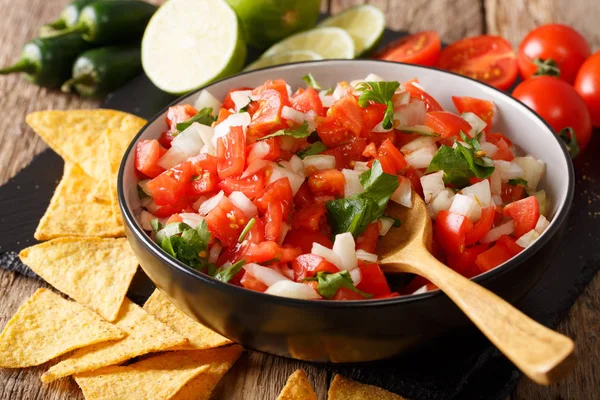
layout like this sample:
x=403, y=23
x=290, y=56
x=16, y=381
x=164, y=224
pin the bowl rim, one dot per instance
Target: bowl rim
x=556, y=222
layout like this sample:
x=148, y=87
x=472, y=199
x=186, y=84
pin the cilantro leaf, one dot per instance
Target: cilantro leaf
x=298, y=133
x=203, y=117
x=311, y=81
x=246, y=229
x=517, y=181
x=329, y=284
x=313, y=149
x=382, y=93
x=185, y=243
x=226, y=274
x=156, y=225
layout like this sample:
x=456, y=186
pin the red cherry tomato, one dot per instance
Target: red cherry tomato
x=487, y=58
x=587, y=84
x=559, y=104
x=552, y=49
x=421, y=48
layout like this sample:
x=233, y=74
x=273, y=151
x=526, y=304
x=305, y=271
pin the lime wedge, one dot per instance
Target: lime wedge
x=364, y=23
x=328, y=42
x=189, y=43
x=284, y=58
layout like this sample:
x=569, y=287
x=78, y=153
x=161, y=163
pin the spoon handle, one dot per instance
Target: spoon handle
x=540, y=353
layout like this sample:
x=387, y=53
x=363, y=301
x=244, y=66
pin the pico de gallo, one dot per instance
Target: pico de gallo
x=285, y=192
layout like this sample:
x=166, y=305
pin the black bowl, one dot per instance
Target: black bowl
x=350, y=331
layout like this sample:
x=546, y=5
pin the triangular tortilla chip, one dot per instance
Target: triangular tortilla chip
x=76, y=135
x=156, y=378
x=73, y=212
x=199, y=336
x=297, y=387
x=346, y=389
x=219, y=361
x=96, y=272
x=47, y=326
x=145, y=334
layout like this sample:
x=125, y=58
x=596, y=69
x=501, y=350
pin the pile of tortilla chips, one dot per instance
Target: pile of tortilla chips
x=113, y=348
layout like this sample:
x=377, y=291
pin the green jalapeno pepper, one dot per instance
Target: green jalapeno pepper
x=68, y=18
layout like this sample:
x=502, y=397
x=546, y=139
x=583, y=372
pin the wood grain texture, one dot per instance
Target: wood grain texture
x=257, y=376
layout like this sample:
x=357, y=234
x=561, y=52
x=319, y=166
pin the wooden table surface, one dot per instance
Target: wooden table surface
x=260, y=376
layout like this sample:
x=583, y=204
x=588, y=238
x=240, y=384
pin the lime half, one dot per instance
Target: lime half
x=189, y=43
x=364, y=23
x=328, y=42
x=284, y=58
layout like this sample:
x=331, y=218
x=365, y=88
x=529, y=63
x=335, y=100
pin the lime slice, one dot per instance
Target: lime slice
x=328, y=42
x=284, y=58
x=189, y=43
x=364, y=23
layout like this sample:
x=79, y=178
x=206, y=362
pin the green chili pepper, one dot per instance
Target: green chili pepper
x=68, y=18
x=48, y=61
x=110, y=21
x=99, y=71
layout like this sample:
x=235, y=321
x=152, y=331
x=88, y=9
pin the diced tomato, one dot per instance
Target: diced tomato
x=446, y=123
x=451, y=230
x=308, y=265
x=306, y=100
x=387, y=164
x=223, y=115
x=228, y=102
x=204, y=162
x=431, y=104
x=261, y=252
x=525, y=213
x=174, y=218
x=205, y=182
x=268, y=117
x=183, y=205
x=349, y=113
x=309, y=217
x=271, y=154
x=372, y=116
x=481, y=227
x=273, y=221
x=368, y=240
x=278, y=192
x=504, y=152
x=389, y=151
x=511, y=193
x=166, y=138
x=347, y=154
x=510, y=244
x=251, y=186
x=170, y=186
x=303, y=196
x=370, y=151
x=373, y=280
x=179, y=113
x=492, y=257
x=147, y=154
x=347, y=294
x=304, y=239
x=327, y=182
x=484, y=109
x=226, y=222
x=332, y=132
x=415, y=180
x=231, y=153
x=464, y=263
x=278, y=85
x=494, y=138
x=250, y=282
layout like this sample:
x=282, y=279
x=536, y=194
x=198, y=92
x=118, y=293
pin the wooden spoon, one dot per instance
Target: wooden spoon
x=540, y=353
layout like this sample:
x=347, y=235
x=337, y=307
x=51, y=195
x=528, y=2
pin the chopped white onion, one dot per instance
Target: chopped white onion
x=196, y=205
x=206, y=99
x=326, y=99
x=242, y=202
x=422, y=289
x=319, y=162
x=144, y=186
x=410, y=114
x=293, y=115
x=373, y=78
x=259, y=150
x=278, y=172
x=403, y=193
x=462, y=205
x=496, y=182
x=541, y=225
x=361, y=166
x=192, y=219
x=386, y=225
x=420, y=158
x=266, y=275
x=432, y=185
x=254, y=168
x=289, y=90
x=214, y=253
x=297, y=165
x=489, y=149
x=497, y=199
x=145, y=218
x=379, y=128
x=352, y=185
x=344, y=247
x=241, y=98
x=419, y=143
x=533, y=170
x=327, y=254
x=211, y=203
x=481, y=194
x=508, y=170
x=339, y=91
x=293, y=290
x=505, y=229
x=477, y=124
x=442, y=201
x=238, y=119
x=285, y=228
x=356, y=276
x=366, y=256
x=185, y=145
x=400, y=99
x=527, y=239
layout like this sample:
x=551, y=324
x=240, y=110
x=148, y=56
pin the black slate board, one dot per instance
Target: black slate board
x=462, y=366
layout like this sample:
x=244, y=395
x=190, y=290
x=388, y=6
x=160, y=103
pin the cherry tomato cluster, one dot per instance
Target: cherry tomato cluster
x=561, y=78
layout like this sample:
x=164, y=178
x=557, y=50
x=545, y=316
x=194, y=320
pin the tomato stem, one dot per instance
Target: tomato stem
x=570, y=138
x=546, y=67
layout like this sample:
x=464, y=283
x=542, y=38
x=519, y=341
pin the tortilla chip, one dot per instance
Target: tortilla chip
x=145, y=334
x=76, y=135
x=72, y=212
x=199, y=336
x=96, y=272
x=297, y=387
x=346, y=389
x=219, y=361
x=47, y=326
x=155, y=378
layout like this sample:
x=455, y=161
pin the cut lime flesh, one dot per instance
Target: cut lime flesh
x=284, y=58
x=189, y=43
x=364, y=23
x=328, y=42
